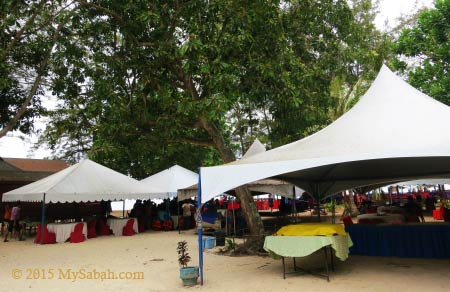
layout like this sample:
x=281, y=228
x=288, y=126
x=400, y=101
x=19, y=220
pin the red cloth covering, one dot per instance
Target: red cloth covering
x=49, y=237
x=128, y=228
x=233, y=206
x=92, y=233
x=437, y=214
x=77, y=235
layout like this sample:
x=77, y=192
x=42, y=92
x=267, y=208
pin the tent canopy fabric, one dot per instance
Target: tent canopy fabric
x=376, y=142
x=424, y=182
x=171, y=179
x=85, y=181
x=255, y=148
x=264, y=186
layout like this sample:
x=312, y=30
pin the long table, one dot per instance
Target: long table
x=421, y=240
x=386, y=218
x=287, y=244
x=63, y=230
x=117, y=224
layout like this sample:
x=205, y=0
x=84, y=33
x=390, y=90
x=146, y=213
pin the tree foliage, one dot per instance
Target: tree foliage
x=28, y=31
x=145, y=84
x=424, y=52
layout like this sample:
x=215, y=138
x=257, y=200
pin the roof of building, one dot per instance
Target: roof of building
x=37, y=165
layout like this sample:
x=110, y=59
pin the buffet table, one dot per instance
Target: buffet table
x=117, y=224
x=417, y=240
x=310, y=238
x=63, y=230
x=385, y=218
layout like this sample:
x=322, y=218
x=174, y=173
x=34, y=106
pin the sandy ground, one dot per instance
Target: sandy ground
x=26, y=266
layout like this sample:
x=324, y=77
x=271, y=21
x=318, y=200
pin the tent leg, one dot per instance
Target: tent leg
x=123, y=209
x=199, y=227
x=43, y=220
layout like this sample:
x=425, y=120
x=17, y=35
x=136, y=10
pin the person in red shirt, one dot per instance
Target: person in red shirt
x=6, y=217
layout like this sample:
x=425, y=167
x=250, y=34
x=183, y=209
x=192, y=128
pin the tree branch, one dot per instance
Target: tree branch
x=20, y=32
x=108, y=12
x=195, y=141
x=11, y=124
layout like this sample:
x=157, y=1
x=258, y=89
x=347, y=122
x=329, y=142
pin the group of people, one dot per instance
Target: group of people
x=11, y=220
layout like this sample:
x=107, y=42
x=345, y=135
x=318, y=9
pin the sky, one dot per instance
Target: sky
x=18, y=145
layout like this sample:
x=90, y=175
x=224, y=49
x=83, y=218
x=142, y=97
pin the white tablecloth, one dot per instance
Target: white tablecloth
x=63, y=230
x=300, y=246
x=117, y=224
x=387, y=218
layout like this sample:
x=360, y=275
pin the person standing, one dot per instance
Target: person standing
x=187, y=212
x=270, y=201
x=14, y=224
x=6, y=218
x=413, y=211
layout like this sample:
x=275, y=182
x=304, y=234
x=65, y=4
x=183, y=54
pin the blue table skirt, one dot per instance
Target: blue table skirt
x=406, y=240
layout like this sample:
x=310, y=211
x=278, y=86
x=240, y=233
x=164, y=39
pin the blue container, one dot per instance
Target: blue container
x=189, y=275
x=209, y=242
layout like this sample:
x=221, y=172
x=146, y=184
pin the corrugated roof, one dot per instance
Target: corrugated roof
x=37, y=165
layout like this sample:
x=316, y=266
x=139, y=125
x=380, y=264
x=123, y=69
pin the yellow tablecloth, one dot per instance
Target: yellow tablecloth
x=311, y=229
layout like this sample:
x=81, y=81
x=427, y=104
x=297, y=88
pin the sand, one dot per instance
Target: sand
x=153, y=255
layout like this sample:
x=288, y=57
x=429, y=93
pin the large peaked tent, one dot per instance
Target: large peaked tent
x=377, y=142
x=83, y=182
x=171, y=179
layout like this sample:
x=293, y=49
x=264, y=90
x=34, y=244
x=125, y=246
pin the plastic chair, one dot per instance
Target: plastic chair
x=91, y=232
x=49, y=237
x=156, y=225
x=128, y=228
x=77, y=235
x=168, y=225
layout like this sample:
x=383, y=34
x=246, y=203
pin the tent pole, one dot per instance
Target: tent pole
x=123, y=209
x=43, y=220
x=317, y=196
x=294, y=204
x=199, y=226
x=178, y=215
x=226, y=217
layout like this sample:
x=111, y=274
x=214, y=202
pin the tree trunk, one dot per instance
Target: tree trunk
x=248, y=206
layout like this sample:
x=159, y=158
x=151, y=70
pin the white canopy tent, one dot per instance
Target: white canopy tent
x=264, y=186
x=171, y=179
x=85, y=181
x=376, y=142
